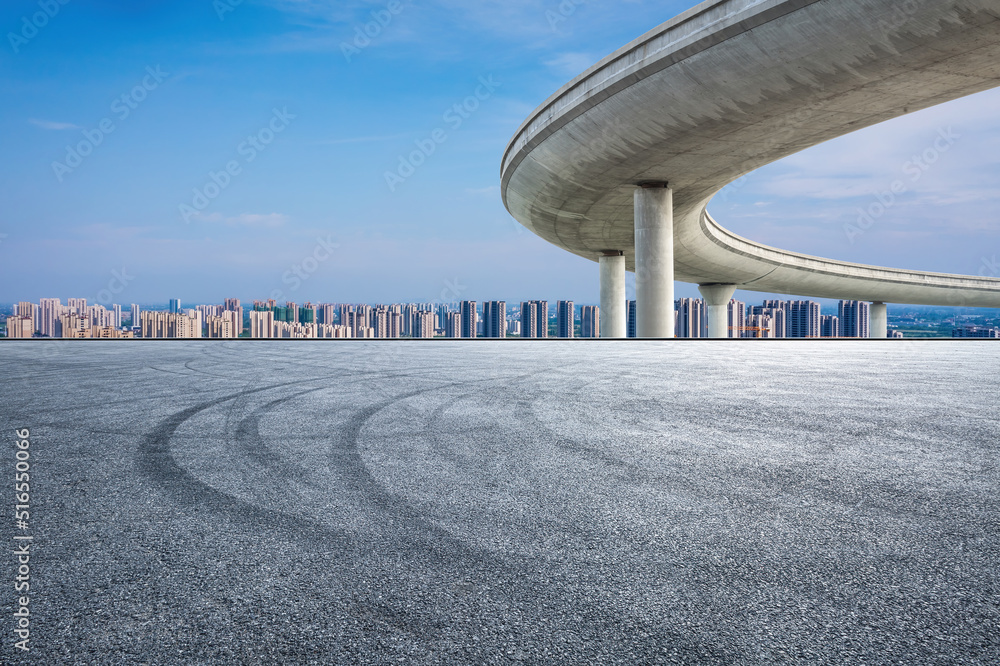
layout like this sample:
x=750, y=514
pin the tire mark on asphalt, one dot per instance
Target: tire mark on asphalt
x=186, y=490
x=182, y=374
x=511, y=589
x=205, y=372
x=346, y=459
x=158, y=464
x=436, y=436
x=484, y=568
x=249, y=442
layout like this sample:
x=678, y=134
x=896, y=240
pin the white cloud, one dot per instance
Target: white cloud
x=437, y=25
x=571, y=64
x=52, y=125
x=492, y=190
x=362, y=139
x=257, y=220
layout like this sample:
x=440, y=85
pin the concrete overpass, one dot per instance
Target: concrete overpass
x=619, y=165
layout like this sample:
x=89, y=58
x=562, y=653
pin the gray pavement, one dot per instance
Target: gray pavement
x=496, y=503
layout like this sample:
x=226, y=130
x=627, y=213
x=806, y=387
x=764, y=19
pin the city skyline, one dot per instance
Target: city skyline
x=772, y=318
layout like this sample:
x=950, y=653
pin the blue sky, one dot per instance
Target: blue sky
x=165, y=94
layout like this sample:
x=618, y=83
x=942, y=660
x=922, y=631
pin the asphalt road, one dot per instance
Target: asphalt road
x=500, y=503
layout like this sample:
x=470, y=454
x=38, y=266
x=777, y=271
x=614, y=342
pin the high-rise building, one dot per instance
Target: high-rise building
x=170, y=325
x=779, y=311
x=221, y=327
x=77, y=305
x=395, y=324
x=364, y=316
x=737, y=318
x=100, y=316
x=74, y=325
x=261, y=324
x=855, y=319
x=380, y=322
x=29, y=310
x=387, y=322
x=535, y=319
x=495, y=319
x=590, y=321
x=49, y=310
x=829, y=326
x=345, y=314
x=565, y=319
x=760, y=325
x=326, y=314
x=232, y=305
x=409, y=319
x=453, y=327
x=291, y=312
x=529, y=320
x=802, y=319
x=236, y=320
x=294, y=330
x=470, y=319
x=630, y=325
x=135, y=315
x=424, y=324
x=116, y=315
x=691, y=319
x=357, y=319
x=777, y=315
x=197, y=327
x=442, y=316
x=109, y=333
x=209, y=311
x=332, y=331
x=20, y=327
x=175, y=306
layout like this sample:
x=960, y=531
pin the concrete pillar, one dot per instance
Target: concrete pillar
x=654, y=261
x=613, y=315
x=717, y=297
x=879, y=324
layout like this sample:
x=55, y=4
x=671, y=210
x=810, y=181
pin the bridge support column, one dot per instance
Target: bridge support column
x=613, y=315
x=879, y=323
x=717, y=297
x=654, y=260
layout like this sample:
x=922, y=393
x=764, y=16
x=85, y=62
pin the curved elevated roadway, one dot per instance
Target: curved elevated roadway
x=725, y=88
